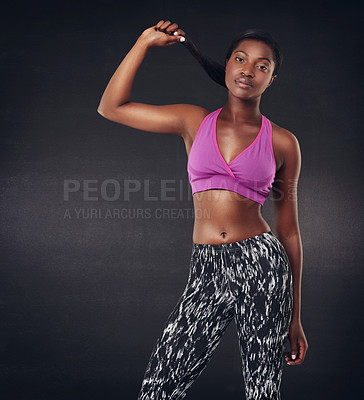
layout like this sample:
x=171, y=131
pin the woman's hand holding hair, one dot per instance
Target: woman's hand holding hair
x=164, y=33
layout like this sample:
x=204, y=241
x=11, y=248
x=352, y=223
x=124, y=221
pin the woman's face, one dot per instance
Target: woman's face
x=249, y=71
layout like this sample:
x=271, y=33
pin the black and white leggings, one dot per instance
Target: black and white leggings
x=250, y=281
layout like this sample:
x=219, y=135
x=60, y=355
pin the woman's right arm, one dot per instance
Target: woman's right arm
x=115, y=103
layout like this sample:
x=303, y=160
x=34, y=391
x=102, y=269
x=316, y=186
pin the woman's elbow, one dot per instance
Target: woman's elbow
x=287, y=230
x=106, y=112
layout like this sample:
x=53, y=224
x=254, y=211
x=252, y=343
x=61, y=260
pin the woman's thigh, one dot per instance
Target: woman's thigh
x=262, y=286
x=191, y=333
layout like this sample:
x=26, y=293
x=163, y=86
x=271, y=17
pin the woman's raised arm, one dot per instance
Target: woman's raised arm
x=115, y=104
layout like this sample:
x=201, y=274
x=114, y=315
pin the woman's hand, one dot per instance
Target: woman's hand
x=163, y=34
x=298, y=342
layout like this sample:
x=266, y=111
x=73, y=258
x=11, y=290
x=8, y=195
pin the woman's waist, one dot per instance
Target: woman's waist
x=223, y=216
x=215, y=208
x=220, y=230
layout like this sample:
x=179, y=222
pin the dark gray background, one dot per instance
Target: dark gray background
x=83, y=300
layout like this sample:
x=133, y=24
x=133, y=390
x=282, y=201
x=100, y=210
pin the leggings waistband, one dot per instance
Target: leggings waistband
x=234, y=245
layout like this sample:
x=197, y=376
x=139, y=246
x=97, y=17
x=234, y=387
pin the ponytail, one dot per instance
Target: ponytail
x=214, y=70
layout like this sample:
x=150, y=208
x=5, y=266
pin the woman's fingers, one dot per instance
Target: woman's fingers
x=162, y=25
x=159, y=24
x=300, y=353
x=165, y=25
x=169, y=28
x=180, y=32
x=173, y=34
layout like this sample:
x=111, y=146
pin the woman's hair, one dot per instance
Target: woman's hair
x=216, y=71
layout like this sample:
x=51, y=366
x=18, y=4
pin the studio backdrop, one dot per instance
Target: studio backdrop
x=90, y=209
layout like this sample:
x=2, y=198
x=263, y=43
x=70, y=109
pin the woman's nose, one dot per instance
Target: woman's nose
x=247, y=70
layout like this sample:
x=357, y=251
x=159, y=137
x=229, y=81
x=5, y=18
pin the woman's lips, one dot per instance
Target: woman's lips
x=243, y=83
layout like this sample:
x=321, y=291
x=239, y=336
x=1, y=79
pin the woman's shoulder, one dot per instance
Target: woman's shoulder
x=285, y=144
x=283, y=136
x=193, y=116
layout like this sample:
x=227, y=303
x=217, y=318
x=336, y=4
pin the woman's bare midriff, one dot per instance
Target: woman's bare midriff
x=223, y=216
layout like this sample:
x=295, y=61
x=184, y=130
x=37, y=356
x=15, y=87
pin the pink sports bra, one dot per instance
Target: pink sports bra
x=250, y=174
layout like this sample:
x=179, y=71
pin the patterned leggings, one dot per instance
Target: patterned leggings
x=250, y=281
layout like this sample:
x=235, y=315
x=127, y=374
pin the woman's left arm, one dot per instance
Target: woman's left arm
x=286, y=227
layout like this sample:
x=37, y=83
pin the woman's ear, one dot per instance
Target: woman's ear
x=272, y=79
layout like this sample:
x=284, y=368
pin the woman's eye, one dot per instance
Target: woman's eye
x=236, y=58
x=263, y=67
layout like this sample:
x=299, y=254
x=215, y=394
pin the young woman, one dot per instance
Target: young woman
x=239, y=268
